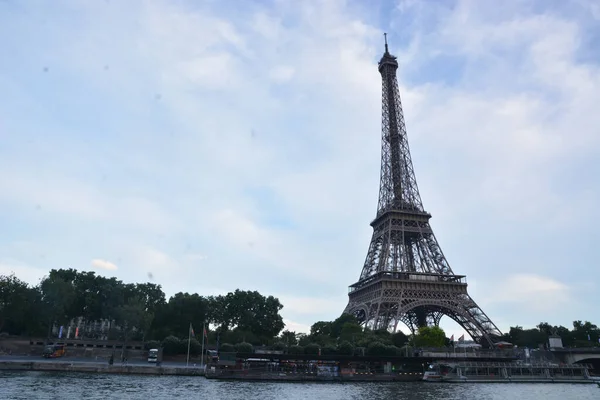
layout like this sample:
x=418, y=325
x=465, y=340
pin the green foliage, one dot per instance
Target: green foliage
x=376, y=349
x=430, y=336
x=337, y=326
x=174, y=317
x=289, y=338
x=20, y=306
x=172, y=345
x=249, y=311
x=345, y=348
x=195, y=346
x=399, y=339
x=239, y=335
x=244, y=347
x=133, y=316
x=320, y=328
x=303, y=339
x=350, y=331
x=296, y=349
x=227, y=348
x=328, y=349
x=152, y=344
x=279, y=346
x=311, y=348
x=576, y=337
x=392, y=350
x=140, y=311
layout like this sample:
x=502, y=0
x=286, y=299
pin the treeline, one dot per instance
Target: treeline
x=236, y=321
x=583, y=334
x=134, y=311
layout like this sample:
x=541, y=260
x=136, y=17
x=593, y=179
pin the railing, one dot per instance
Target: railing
x=409, y=276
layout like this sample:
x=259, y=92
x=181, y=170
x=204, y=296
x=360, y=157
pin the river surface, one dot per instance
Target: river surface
x=50, y=385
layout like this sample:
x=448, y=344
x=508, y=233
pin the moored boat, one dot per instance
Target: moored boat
x=488, y=372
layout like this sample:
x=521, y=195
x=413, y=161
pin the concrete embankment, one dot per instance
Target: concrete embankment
x=66, y=366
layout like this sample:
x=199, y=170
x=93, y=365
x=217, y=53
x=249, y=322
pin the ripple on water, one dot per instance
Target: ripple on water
x=46, y=385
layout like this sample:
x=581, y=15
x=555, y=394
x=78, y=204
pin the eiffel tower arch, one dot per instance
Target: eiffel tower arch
x=406, y=277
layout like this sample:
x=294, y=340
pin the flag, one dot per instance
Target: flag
x=205, y=334
x=192, y=331
x=589, y=337
x=461, y=338
x=452, y=338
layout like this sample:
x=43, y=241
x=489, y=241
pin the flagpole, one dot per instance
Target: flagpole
x=187, y=361
x=202, y=354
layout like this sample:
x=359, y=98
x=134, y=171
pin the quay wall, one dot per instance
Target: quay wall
x=98, y=368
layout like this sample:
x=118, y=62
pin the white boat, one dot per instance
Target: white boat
x=488, y=372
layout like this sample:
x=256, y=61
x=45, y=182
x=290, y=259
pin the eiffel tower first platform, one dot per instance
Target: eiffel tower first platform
x=406, y=277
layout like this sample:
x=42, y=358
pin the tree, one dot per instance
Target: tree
x=172, y=345
x=351, y=331
x=345, y=348
x=244, y=347
x=227, y=348
x=376, y=349
x=399, y=339
x=57, y=298
x=430, y=336
x=312, y=348
x=289, y=338
x=335, y=327
x=296, y=350
x=252, y=312
x=174, y=317
x=133, y=317
x=320, y=328
x=19, y=306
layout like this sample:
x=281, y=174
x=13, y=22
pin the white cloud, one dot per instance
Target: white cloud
x=531, y=292
x=296, y=327
x=103, y=264
x=310, y=305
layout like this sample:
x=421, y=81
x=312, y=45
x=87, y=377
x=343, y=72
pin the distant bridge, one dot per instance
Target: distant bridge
x=577, y=355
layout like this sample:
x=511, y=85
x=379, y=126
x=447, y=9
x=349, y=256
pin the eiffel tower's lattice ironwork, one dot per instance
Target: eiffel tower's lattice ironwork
x=406, y=277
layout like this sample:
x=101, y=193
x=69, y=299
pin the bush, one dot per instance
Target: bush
x=376, y=349
x=345, y=348
x=279, y=346
x=226, y=348
x=392, y=350
x=152, y=344
x=328, y=350
x=312, y=348
x=195, y=346
x=172, y=345
x=244, y=347
x=296, y=349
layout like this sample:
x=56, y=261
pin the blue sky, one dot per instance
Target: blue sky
x=219, y=146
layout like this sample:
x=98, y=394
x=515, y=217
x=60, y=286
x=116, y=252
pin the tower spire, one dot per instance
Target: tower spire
x=386, y=45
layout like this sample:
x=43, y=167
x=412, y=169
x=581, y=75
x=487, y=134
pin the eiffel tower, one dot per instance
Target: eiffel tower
x=406, y=277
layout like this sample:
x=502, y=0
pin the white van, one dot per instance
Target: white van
x=152, y=355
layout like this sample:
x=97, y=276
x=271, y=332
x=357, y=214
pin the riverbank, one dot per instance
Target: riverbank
x=103, y=368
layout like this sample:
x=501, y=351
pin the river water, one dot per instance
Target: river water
x=47, y=385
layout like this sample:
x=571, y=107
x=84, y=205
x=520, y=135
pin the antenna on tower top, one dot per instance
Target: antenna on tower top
x=385, y=38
